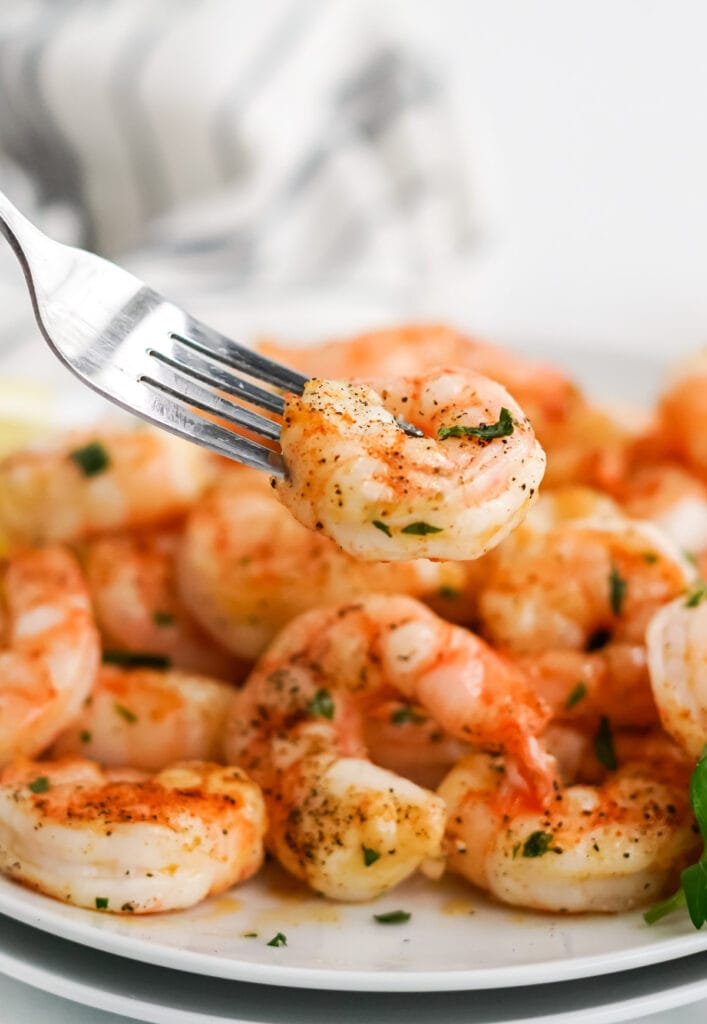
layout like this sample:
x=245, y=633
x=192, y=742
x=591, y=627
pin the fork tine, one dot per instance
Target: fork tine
x=187, y=360
x=216, y=346
x=186, y=390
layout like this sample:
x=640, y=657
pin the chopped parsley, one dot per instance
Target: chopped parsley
x=575, y=695
x=693, y=880
x=405, y=714
x=136, y=659
x=92, y=459
x=249, y=935
x=393, y=917
x=420, y=529
x=650, y=557
x=383, y=527
x=85, y=736
x=369, y=856
x=696, y=596
x=537, y=844
x=163, y=618
x=101, y=902
x=125, y=713
x=40, y=784
x=321, y=704
x=617, y=590
x=449, y=593
x=278, y=940
x=604, y=745
x=486, y=431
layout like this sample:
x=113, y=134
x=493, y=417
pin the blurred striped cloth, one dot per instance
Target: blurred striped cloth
x=222, y=146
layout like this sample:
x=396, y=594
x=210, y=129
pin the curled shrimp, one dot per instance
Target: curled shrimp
x=125, y=842
x=446, y=492
x=677, y=660
x=246, y=567
x=297, y=727
x=606, y=847
x=148, y=719
x=88, y=483
x=682, y=414
x=133, y=583
x=51, y=650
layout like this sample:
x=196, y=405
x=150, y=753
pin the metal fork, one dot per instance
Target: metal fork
x=147, y=355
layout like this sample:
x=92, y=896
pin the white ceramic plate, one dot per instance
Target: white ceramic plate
x=455, y=939
x=161, y=996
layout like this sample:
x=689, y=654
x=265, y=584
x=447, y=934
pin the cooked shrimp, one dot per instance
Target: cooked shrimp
x=677, y=661
x=683, y=413
x=88, y=483
x=593, y=848
x=148, y=719
x=355, y=472
x=246, y=567
x=126, y=842
x=133, y=582
x=404, y=739
x=562, y=582
x=51, y=650
x=299, y=719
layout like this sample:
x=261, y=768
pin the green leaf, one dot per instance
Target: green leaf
x=393, y=917
x=369, y=856
x=486, y=431
x=92, y=459
x=420, y=529
x=321, y=704
x=278, y=940
x=696, y=596
x=665, y=907
x=694, y=885
x=383, y=527
x=136, y=659
x=575, y=695
x=101, y=902
x=698, y=792
x=604, y=745
x=617, y=590
x=537, y=844
x=40, y=784
x=125, y=713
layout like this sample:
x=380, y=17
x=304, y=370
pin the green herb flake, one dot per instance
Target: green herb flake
x=575, y=695
x=696, y=596
x=617, y=590
x=125, y=713
x=693, y=880
x=128, y=908
x=393, y=917
x=449, y=593
x=369, y=856
x=537, y=844
x=383, y=527
x=92, y=459
x=85, y=736
x=101, y=902
x=40, y=784
x=503, y=427
x=650, y=557
x=420, y=529
x=249, y=935
x=407, y=714
x=690, y=557
x=604, y=745
x=278, y=940
x=136, y=659
x=321, y=704
x=163, y=618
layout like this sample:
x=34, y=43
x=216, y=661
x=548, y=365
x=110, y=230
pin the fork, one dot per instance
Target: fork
x=147, y=355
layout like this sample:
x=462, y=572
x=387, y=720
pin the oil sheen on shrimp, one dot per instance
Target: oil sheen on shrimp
x=593, y=848
x=50, y=652
x=133, y=582
x=297, y=727
x=87, y=483
x=356, y=473
x=148, y=719
x=677, y=660
x=246, y=567
x=126, y=842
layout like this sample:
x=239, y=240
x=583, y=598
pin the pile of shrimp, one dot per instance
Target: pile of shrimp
x=465, y=632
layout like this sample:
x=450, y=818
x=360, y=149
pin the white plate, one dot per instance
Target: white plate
x=444, y=947
x=162, y=996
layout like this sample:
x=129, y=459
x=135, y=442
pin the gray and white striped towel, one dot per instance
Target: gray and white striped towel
x=226, y=149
